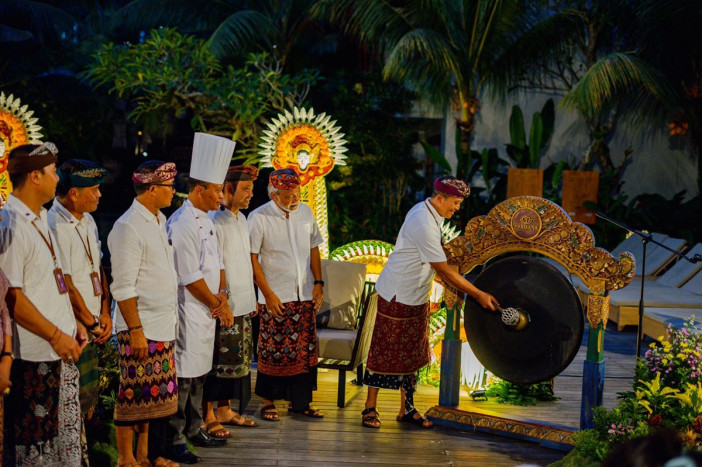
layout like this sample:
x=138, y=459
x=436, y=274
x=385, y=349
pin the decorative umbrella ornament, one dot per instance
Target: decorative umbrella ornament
x=311, y=145
x=17, y=127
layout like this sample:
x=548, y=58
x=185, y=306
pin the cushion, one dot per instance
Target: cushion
x=343, y=287
x=335, y=343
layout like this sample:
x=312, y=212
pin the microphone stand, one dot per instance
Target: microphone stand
x=645, y=239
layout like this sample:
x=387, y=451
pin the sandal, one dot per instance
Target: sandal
x=269, y=413
x=163, y=462
x=420, y=422
x=216, y=430
x=368, y=421
x=240, y=420
x=312, y=413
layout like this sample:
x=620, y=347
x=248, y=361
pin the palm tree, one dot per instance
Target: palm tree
x=445, y=50
x=590, y=53
x=235, y=28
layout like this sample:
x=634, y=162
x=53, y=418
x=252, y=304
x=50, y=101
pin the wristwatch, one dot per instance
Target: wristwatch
x=318, y=282
x=94, y=325
x=226, y=292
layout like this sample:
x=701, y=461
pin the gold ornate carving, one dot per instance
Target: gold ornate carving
x=570, y=243
x=597, y=310
x=523, y=429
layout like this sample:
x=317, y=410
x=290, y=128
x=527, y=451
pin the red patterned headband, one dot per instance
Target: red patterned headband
x=284, y=179
x=452, y=186
x=163, y=172
x=242, y=172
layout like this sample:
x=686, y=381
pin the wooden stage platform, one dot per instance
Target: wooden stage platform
x=339, y=438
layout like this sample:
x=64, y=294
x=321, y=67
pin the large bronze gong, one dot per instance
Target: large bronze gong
x=549, y=305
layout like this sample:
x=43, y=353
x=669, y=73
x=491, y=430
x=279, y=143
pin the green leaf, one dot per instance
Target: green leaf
x=535, y=141
x=436, y=156
x=548, y=116
x=517, y=133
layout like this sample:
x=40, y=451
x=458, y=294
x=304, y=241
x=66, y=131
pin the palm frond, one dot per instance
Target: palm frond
x=242, y=30
x=424, y=59
x=612, y=79
x=44, y=21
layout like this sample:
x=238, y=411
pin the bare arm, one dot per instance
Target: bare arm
x=27, y=316
x=453, y=278
x=316, y=267
x=273, y=303
x=80, y=310
x=137, y=339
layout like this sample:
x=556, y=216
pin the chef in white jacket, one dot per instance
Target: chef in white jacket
x=202, y=294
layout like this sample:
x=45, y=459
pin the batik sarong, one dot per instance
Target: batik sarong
x=148, y=388
x=230, y=377
x=43, y=415
x=287, y=354
x=400, y=343
x=89, y=377
x=287, y=346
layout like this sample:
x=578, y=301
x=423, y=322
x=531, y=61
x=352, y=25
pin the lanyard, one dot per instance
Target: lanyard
x=49, y=243
x=88, y=253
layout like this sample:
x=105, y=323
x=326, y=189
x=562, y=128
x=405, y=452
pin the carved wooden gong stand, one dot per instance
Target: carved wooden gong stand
x=531, y=224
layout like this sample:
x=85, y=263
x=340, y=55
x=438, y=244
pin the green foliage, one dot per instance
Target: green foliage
x=170, y=74
x=517, y=394
x=540, y=132
x=369, y=197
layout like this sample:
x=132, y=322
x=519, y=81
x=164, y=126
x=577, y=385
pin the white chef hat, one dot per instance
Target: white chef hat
x=211, y=158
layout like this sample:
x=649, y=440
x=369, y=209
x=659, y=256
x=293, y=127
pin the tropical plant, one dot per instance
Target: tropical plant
x=170, y=73
x=520, y=394
x=445, y=50
x=528, y=154
x=590, y=53
x=284, y=29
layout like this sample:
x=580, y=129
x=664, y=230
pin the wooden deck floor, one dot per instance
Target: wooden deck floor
x=339, y=438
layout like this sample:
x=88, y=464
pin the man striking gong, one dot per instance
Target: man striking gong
x=400, y=343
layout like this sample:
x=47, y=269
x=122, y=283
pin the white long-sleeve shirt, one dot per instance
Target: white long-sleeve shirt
x=143, y=267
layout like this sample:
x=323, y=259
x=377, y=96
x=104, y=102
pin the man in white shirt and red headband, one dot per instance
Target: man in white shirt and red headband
x=145, y=286
x=400, y=343
x=287, y=269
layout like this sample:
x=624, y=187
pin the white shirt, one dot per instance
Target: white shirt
x=26, y=261
x=408, y=275
x=73, y=237
x=283, y=247
x=197, y=256
x=143, y=267
x=235, y=245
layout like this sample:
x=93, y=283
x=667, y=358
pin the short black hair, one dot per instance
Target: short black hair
x=193, y=183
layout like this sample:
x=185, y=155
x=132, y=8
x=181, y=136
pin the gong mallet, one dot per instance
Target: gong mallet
x=514, y=318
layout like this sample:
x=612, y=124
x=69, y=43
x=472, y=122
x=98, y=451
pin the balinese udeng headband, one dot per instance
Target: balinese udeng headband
x=452, y=186
x=284, y=179
x=163, y=172
x=81, y=173
x=242, y=172
x=39, y=158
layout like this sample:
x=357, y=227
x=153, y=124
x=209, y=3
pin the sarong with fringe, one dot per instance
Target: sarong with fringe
x=400, y=343
x=148, y=389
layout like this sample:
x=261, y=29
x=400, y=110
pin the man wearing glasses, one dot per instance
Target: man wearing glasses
x=145, y=286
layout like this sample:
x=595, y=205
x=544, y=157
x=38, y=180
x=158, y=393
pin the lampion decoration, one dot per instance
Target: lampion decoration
x=17, y=127
x=311, y=145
